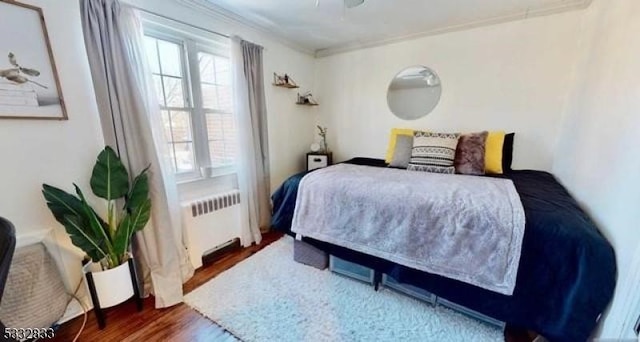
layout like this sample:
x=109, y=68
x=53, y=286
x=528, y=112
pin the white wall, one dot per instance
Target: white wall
x=290, y=126
x=53, y=152
x=513, y=76
x=598, y=155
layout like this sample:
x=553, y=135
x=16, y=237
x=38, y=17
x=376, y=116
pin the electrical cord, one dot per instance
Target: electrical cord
x=74, y=295
x=84, y=320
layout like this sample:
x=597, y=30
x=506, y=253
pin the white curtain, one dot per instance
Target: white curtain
x=253, y=156
x=131, y=124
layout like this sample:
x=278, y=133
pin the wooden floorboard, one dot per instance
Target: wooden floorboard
x=180, y=322
x=177, y=323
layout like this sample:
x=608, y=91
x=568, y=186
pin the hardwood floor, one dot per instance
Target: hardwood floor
x=180, y=322
x=177, y=323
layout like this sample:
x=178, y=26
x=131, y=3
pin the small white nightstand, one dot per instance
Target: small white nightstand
x=317, y=160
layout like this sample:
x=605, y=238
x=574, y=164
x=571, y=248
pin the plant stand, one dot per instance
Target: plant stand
x=95, y=297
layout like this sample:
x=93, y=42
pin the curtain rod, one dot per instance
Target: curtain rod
x=176, y=20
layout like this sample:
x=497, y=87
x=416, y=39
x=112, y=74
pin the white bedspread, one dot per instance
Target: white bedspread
x=467, y=228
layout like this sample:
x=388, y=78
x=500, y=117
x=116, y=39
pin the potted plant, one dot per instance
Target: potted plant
x=106, y=242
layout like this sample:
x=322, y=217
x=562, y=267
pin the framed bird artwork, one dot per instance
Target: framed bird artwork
x=29, y=85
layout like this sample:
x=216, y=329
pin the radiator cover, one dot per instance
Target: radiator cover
x=210, y=222
x=35, y=296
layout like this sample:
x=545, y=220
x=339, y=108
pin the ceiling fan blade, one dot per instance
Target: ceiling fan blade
x=353, y=3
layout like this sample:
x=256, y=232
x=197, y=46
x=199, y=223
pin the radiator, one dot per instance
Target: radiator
x=210, y=222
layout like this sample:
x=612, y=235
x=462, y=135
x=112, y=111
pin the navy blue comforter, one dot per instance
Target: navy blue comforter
x=567, y=270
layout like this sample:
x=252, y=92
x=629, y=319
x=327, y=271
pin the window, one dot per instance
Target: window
x=192, y=79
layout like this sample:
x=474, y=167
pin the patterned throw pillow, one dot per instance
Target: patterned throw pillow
x=470, y=154
x=433, y=152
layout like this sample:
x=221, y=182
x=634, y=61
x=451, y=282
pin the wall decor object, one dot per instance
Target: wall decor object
x=306, y=99
x=284, y=81
x=322, y=133
x=414, y=92
x=29, y=85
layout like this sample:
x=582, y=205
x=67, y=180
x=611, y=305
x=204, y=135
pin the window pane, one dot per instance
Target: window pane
x=221, y=154
x=215, y=75
x=223, y=78
x=166, y=125
x=181, y=126
x=173, y=157
x=230, y=153
x=173, y=91
x=223, y=71
x=222, y=138
x=216, y=151
x=222, y=64
x=170, y=59
x=207, y=74
x=152, y=54
x=214, y=126
x=209, y=96
x=184, y=157
x=157, y=82
x=217, y=97
x=229, y=125
x=225, y=101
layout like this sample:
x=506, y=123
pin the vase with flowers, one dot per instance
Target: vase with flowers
x=322, y=132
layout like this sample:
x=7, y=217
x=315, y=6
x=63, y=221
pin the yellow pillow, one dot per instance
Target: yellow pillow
x=392, y=141
x=493, y=152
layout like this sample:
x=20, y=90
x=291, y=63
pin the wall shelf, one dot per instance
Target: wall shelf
x=307, y=104
x=285, y=85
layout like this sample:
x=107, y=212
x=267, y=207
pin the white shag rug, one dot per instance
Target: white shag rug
x=270, y=297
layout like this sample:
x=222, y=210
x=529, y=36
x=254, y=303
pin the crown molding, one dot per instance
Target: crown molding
x=559, y=7
x=235, y=19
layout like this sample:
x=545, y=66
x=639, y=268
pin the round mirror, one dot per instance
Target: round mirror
x=414, y=92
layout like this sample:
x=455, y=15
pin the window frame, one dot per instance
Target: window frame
x=190, y=45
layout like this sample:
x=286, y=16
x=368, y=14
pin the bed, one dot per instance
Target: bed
x=566, y=275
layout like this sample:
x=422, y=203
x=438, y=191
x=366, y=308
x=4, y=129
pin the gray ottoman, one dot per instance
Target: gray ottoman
x=306, y=254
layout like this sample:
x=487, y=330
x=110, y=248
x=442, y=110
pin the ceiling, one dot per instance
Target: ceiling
x=331, y=28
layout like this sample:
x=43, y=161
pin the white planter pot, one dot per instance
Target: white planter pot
x=113, y=286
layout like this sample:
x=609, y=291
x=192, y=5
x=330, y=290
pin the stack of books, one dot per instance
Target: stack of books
x=17, y=95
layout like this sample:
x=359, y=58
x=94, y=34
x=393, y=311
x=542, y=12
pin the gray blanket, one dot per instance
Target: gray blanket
x=467, y=228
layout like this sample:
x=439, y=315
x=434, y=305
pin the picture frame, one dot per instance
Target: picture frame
x=29, y=83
